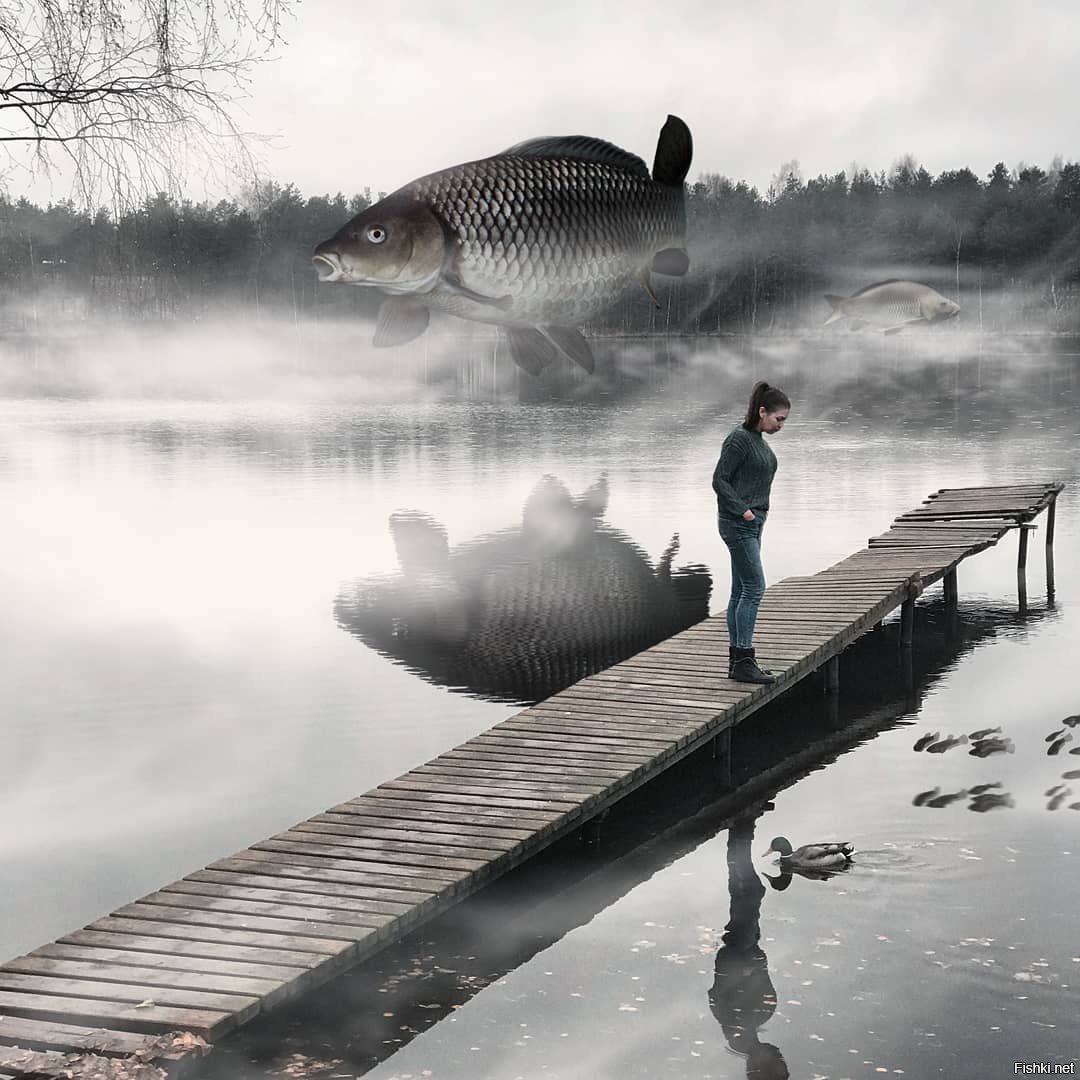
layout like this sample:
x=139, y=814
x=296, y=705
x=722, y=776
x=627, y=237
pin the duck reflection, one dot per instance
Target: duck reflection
x=742, y=996
x=524, y=612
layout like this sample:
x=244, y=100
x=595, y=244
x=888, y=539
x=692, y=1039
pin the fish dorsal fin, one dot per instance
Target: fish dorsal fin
x=580, y=147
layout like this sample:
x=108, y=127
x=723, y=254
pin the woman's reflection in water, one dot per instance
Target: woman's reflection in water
x=742, y=997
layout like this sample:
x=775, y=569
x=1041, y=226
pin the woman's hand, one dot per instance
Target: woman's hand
x=748, y=515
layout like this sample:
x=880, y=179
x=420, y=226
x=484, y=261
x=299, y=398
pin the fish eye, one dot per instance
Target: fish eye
x=376, y=234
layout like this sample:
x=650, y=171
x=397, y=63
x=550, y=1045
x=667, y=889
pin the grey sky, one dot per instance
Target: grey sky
x=377, y=94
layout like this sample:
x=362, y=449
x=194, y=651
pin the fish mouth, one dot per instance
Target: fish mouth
x=329, y=266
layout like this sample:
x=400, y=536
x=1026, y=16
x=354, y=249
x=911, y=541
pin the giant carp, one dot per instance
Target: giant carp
x=536, y=239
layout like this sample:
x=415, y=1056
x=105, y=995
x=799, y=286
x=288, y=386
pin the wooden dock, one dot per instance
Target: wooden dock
x=205, y=954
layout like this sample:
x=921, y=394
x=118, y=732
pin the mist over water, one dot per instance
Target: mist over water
x=185, y=511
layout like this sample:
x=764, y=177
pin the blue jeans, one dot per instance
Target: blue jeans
x=743, y=540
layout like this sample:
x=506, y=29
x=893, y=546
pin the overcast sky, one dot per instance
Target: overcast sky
x=377, y=94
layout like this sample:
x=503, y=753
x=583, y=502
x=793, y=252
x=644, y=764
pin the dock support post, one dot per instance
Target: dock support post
x=1021, y=567
x=907, y=621
x=949, y=582
x=1050, y=513
x=721, y=752
x=590, y=831
x=832, y=675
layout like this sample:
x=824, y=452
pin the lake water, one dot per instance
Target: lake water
x=210, y=631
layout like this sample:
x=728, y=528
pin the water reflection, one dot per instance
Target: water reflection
x=742, y=996
x=524, y=612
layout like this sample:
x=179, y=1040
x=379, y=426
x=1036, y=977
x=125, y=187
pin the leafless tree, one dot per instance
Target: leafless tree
x=126, y=94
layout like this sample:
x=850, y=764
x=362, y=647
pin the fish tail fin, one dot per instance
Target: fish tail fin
x=674, y=151
x=835, y=302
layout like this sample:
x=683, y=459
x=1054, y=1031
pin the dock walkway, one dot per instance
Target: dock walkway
x=207, y=953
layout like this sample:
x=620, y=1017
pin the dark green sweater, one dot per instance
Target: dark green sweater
x=743, y=475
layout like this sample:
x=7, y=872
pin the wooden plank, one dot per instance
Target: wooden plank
x=209, y=1024
x=53, y=1035
x=317, y=949
x=103, y=971
x=420, y=881
x=314, y=936
x=252, y=861
x=419, y=808
x=566, y=748
x=517, y=777
x=171, y=963
x=128, y=935
x=425, y=869
x=433, y=793
x=270, y=909
x=457, y=824
x=493, y=754
x=599, y=771
x=498, y=778
x=390, y=886
x=268, y=890
x=600, y=731
x=307, y=879
x=412, y=855
x=456, y=857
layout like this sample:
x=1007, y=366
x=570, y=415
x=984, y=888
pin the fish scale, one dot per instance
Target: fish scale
x=559, y=237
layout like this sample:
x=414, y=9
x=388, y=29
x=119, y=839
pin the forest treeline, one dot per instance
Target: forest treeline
x=1007, y=248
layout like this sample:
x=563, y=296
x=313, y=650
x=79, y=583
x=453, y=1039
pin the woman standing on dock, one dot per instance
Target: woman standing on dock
x=742, y=480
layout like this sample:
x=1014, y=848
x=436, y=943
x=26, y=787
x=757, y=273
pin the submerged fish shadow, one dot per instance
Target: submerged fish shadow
x=521, y=613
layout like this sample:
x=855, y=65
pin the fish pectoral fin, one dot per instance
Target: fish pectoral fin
x=671, y=261
x=400, y=320
x=531, y=350
x=900, y=326
x=456, y=285
x=647, y=286
x=571, y=344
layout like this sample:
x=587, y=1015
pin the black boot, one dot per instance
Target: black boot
x=746, y=669
x=732, y=656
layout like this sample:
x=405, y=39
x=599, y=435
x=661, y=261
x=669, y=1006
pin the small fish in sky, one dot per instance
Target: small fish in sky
x=536, y=240
x=983, y=732
x=925, y=796
x=891, y=305
x=1072, y=721
x=1054, y=735
x=925, y=740
x=1053, y=790
x=1072, y=774
x=979, y=789
x=990, y=746
x=1058, y=799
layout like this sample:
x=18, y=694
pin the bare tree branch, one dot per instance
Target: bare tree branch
x=128, y=92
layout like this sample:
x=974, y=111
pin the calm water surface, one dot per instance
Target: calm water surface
x=217, y=620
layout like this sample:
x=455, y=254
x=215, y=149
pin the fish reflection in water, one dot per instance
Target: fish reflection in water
x=742, y=996
x=523, y=612
x=990, y=800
